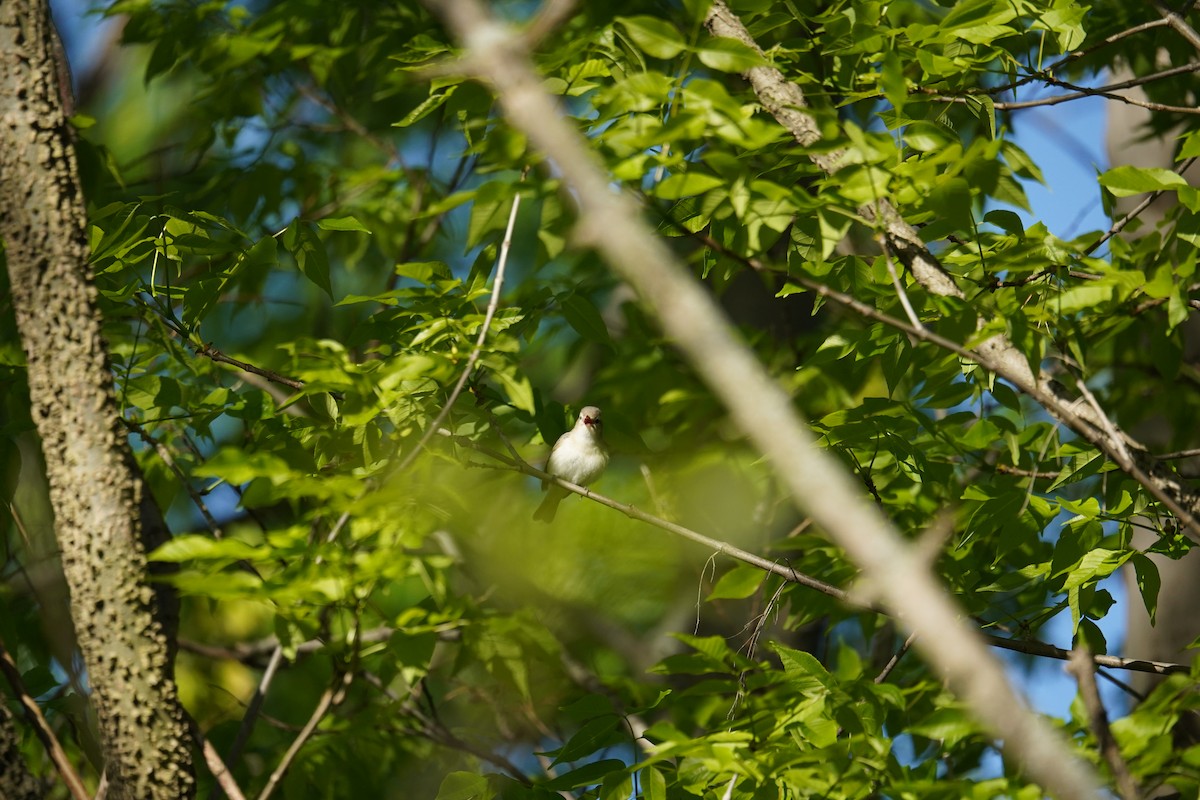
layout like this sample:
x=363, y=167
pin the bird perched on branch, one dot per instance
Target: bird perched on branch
x=579, y=456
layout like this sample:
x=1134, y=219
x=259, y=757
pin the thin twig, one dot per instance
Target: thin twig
x=167, y=458
x=1044, y=650
x=208, y=351
x=1054, y=100
x=41, y=727
x=1029, y=647
x=220, y=771
x=437, y=733
x=1084, y=670
x=306, y=732
x=1075, y=55
x=1109, y=91
x=254, y=652
x=895, y=659
x=759, y=625
x=891, y=267
x=477, y=350
x=1179, y=454
x=634, y=513
x=251, y=715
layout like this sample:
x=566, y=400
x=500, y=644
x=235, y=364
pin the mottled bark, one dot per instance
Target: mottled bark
x=16, y=781
x=94, y=490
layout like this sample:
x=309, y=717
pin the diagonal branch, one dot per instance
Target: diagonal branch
x=787, y=103
x=611, y=223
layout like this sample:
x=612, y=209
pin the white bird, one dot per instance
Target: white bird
x=579, y=456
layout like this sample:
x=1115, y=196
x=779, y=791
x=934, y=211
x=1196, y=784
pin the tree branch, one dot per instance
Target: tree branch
x=1084, y=670
x=1027, y=646
x=787, y=104
x=1179, y=24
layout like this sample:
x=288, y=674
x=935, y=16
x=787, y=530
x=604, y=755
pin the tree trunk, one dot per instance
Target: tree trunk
x=94, y=489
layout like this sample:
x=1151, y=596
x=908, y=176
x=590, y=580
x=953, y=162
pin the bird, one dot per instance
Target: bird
x=579, y=456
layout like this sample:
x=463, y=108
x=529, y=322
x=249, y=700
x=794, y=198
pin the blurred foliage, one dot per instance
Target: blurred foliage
x=296, y=209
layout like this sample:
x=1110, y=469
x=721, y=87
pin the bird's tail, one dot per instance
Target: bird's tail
x=549, y=507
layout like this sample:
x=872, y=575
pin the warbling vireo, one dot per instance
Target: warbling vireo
x=579, y=456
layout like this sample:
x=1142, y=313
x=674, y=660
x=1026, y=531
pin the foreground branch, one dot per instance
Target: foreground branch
x=610, y=222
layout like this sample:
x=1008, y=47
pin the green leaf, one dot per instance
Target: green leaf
x=346, y=223
x=739, y=582
x=596, y=734
x=729, y=55
x=262, y=254
x=1178, y=309
x=587, y=775
x=1096, y=564
x=194, y=547
x=430, y=104
x=656, y=37
x=654, y=785
x=804, y=669
x=952, y=201
x=1190, y=147
x=1083, y=296
x=893, y=82
x=583, y=317
x=311, y=257
x=1126, y=180
x=1148, y=582
x=1006, y=221
x=465, y=786
x=223, y=585
x=237, y=466
x=948, y=725
x=686, y=184
x=1091, y=635
x=616, y=787
x=518, y=388
x=490, y=211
